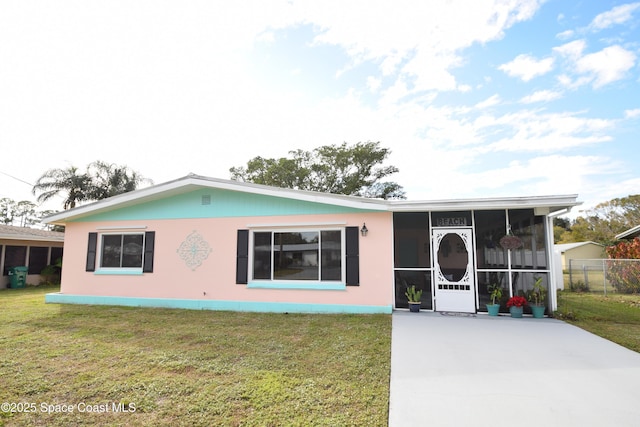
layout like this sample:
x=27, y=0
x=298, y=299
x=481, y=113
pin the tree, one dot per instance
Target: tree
x=340, y=169
x=22, y=214
x=7, y=210
x=55, y=181
x=50, y=227
x=101, y=180
x=605, y=221
x=26, y=212
x=108, y=179
x=560, y=226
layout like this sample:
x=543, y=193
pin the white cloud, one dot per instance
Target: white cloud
x=569, y=172
x=421, y=40
x=526, y=67
x=617, y=15
x=546, y=132
x=572, y=50
x=541, y=96
x=599, y=68
x=564, y=35
x=607, y=66
x=542, y=175
x=632, y=114
x=489, y=102
x=373, y=83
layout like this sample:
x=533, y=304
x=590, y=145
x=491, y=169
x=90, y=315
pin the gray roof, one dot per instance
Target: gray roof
x=568, y=246
x=10, y=232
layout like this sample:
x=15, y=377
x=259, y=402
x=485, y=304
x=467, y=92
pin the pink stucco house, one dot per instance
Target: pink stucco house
x=205, y=243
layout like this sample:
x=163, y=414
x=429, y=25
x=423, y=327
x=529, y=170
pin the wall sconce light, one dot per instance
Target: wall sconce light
x=364, y=230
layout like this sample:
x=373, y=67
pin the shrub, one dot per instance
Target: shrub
x=624, y=274
x=578, y=286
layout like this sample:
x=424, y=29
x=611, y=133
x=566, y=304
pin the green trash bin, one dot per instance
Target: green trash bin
x=18, y=277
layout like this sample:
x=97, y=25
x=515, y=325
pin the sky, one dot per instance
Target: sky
x=490, y=98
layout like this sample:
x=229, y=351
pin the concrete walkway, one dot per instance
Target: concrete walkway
x=458, y=371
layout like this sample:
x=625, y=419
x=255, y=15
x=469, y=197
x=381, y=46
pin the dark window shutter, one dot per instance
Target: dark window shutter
x=353, y=257
x=91, y=252
x=242, y=258
x=149, y=245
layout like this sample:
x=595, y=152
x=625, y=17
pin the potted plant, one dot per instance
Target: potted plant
x=414, y=295
x=538, y=295
x=495, y=292
x=516, y=305
x=510, y=241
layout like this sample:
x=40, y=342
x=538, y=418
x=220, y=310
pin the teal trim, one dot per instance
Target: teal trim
x=192, y=304
x=224, y=204
x=298, y=285
x=118, y=272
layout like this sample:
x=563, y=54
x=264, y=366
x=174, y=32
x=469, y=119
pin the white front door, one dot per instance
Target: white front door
x=454, y=270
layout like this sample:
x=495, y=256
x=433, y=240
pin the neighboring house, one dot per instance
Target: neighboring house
x=35, y=249
x=205, y=243
x=630, y=234
x=579, y=250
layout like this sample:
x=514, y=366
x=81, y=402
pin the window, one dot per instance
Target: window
x=14, y=256
x=56, y=255
x=412, y=243
x=120, y=252
x=37, y=259
x=309, y=255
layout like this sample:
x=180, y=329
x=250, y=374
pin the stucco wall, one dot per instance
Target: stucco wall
x=214, y=279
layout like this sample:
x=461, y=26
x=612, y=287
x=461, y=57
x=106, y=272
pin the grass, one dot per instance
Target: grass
x=182, y=367
x=615, y=317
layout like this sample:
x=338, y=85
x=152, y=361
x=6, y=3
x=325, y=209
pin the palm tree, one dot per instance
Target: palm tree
x=101, y=180
x=69, y=181
x=109, y=180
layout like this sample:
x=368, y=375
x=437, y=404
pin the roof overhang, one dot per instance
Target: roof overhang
x=543, y=205
x=195, y=182
x=630, y=233
x=34, y=237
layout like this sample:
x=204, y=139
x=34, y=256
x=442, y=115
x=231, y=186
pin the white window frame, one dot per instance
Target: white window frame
x=118, y=270
x=340, y=283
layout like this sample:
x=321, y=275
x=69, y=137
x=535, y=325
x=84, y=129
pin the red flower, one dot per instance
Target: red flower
x=517, y=301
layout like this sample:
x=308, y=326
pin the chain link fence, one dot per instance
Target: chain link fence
x=620, y=276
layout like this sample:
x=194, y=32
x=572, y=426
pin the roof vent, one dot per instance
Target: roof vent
x=206, y=199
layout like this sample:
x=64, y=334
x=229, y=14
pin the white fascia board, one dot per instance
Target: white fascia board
x=629, y=232
x=553, y=203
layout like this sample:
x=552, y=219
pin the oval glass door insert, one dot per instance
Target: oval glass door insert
x=453, y=258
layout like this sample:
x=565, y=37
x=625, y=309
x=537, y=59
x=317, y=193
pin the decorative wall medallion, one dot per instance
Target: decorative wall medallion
x=194, y=250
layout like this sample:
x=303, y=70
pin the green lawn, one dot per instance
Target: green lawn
x=615, y=317
x=182, y=367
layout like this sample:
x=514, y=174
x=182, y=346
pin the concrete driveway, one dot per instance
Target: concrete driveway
x=449, y=370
